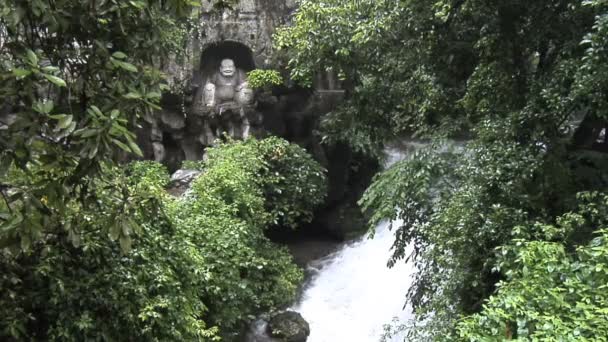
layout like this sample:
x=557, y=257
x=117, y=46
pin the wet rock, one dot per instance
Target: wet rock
x=344, y=221
x=288, y=326
x=181, y=181
x=173, y=120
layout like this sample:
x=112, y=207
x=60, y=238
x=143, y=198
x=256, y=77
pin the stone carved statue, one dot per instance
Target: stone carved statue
x=228, y=97
x=224, y=106
x=227, y=87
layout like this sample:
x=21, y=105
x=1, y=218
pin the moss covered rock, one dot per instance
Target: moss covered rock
x=289, y=326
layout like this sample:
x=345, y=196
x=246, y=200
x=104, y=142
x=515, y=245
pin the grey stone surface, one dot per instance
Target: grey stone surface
x=289, y=326
x=190, y=120
x=181, y=181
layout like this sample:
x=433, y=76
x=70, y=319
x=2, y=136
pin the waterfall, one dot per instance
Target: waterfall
x=353, y=293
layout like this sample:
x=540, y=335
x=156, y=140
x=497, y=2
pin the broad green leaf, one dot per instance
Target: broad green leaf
x=121, y=145
x=21, y=72
x=55, y=80
x=138, y=4
x=153, y=95
x=93, y=150
x=57, y=116
x=152, y=105
x=86, y=132
x=119, y=55
x=96, y=111
x=114, y=232
x=47, y=107
x=75, y=238
x=65, y=122
x=132, y=96
x=125, y=244
x=32, y=58
x=71, y=128
x=134, y=147
x=50, y=69
x=127, y=66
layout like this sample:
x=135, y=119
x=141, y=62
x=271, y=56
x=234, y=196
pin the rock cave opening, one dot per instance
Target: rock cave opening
x=213, y=55
x=174, y=154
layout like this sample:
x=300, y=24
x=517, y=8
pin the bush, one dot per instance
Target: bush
x=551, y=293
x=59, y=292
x=291, y=182
x=199, y=266
x=148, y=172
x=193, y=165
x=259, y=78
x=294, y=183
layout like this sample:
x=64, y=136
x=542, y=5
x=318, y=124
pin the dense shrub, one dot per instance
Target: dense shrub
x=551, y=293
x=199, y=266
x=259, y=78
x=293, y=182
x=60, y=292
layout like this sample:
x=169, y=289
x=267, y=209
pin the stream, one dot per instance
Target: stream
x=352, y=293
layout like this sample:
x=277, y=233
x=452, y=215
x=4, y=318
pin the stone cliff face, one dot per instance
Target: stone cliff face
x=242, y=32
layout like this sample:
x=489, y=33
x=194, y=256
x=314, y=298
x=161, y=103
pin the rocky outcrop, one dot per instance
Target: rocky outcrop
x=288, y=326
x=181, y=181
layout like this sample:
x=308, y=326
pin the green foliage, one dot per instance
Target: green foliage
x=148, y=172
x=58, y=292
x=514, y=77
x=75, y=78
x=199, y=268
x=259, y=78
x=227, y=213
x=198, y=165
x=293, y=182
x=551, y=293
x=453, y=204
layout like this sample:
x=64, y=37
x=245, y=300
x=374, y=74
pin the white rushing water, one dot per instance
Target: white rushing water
x=353, y=293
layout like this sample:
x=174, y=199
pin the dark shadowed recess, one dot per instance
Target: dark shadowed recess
x=215, y=53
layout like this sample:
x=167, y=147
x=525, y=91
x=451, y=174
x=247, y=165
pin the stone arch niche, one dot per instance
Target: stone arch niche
x=214, y=53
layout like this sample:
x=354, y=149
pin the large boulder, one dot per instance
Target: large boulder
x=288, y=326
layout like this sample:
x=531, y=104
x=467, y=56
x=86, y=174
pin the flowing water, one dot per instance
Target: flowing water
x=353, y=294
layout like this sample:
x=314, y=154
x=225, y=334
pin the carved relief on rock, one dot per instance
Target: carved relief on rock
x=227, y=102
x=228, y=86
x=218, y=104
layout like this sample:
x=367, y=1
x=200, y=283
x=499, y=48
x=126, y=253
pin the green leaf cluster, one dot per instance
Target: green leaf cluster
x=60, y=290
x=550, y=292
x=193, y=268
x=260, y=78
x=76, y=77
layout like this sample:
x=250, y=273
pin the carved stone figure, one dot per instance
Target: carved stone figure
x=209, y=95
x=159, y=151
x=227, y=100
x=228, y=86
x=244, y=95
